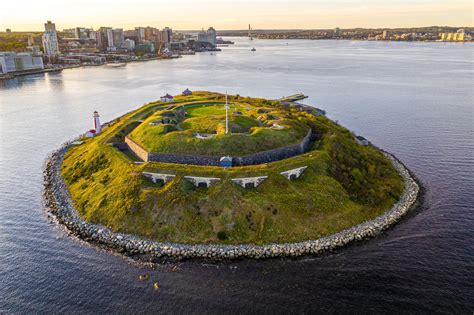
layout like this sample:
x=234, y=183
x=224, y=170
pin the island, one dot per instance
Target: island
x=210, y=175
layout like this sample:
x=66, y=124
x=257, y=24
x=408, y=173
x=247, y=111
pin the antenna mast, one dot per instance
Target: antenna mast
x=226, y=114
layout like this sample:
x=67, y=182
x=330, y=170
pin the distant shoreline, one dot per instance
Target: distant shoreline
x=358, y=40
x=13, y=75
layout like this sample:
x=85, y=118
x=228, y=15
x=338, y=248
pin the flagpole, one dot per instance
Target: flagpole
x=226, y=114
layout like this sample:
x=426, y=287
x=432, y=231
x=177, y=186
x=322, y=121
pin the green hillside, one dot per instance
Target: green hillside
x=345, y=183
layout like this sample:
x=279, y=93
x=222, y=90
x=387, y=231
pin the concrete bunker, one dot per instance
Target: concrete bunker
x=158, y=177
x=294, y=173
x=204, y=182
x=249, y=182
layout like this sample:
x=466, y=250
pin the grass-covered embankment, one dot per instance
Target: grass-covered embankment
x=345, y=184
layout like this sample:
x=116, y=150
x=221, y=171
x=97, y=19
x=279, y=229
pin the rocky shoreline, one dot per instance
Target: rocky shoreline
x=59, y=204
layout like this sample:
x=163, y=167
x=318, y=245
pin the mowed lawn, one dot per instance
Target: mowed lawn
x=247, y=133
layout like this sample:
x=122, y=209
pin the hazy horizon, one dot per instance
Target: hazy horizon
x=236, y=15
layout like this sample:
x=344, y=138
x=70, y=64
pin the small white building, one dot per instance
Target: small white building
x=187, y=92
x=90, y=134
x=166, y=98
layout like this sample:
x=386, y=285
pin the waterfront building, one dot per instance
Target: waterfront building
x=50, y=40
x=202, y=36
x=145, y=48
x=12, y=62
x=7, y=62
x=209, y=36
x=337, y=32
x=115, y=38
x=212, y=36
x=386, y=34
x=140, y=34
x=152, y=33
x=94, y=35
x=118, y=37
x=166, y=36
x=459, y=36
x=102, y=37
x=129, y=44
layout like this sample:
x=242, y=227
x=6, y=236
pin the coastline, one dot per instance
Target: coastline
x=58, y=202
x=13, y=75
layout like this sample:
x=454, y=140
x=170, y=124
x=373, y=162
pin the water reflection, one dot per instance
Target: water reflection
x=414, y=100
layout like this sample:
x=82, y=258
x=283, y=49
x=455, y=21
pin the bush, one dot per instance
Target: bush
x=222, y=235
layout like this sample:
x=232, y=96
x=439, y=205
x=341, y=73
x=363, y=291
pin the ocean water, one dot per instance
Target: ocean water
x=415, y=100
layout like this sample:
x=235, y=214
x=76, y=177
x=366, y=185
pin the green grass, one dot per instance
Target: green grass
x=108, y=188
x=248, y=134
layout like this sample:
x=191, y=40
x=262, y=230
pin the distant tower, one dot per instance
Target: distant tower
x=226, y=114
x=97, y=127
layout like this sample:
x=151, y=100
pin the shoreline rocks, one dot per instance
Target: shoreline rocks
x=58, y=202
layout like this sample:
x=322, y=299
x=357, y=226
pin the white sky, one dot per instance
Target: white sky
x=27, y=15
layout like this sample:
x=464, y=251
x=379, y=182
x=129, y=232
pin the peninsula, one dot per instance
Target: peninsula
x=209, y=175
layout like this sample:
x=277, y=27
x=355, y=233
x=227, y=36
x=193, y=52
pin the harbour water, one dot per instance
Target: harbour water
x=414, y=100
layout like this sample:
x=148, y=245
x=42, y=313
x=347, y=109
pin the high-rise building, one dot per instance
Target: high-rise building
x=337, y=32
x=386, y=34
x=94, y=35
x=31, y=40
x=208, y=37
x=115, y=38
x=81, y=32
x=140, y=33
x=166, y=35
x=212, y=36
x=118, y=37
x=102, y=37
x=50, y=27
x=50, y=40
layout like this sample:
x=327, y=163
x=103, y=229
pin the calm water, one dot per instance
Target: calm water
x=412, y=99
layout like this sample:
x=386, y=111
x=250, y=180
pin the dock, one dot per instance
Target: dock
x=293, y=98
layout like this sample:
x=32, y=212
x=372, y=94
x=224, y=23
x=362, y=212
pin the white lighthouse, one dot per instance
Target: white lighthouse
x=97, y=126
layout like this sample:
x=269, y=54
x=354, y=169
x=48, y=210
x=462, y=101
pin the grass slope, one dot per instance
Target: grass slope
x=249, y=134
x=345, y=184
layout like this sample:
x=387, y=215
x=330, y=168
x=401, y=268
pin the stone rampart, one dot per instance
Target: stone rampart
x=202, y=160
x=137, y=149
x=207, y=160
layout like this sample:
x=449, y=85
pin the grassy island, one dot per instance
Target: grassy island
x=344, y=183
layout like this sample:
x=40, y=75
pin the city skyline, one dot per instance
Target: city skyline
x=262, y=14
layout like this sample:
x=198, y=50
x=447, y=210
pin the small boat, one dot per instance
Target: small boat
x=116, y=64
x=253, y=49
